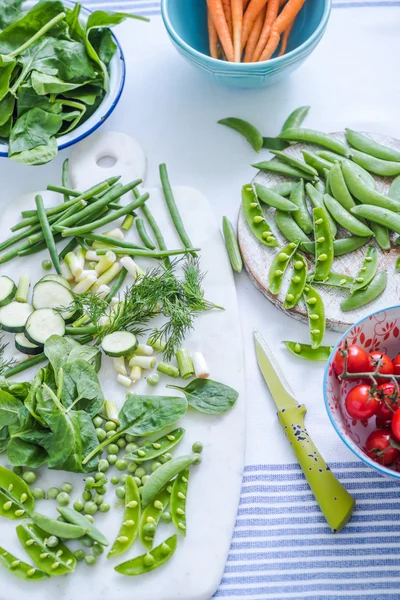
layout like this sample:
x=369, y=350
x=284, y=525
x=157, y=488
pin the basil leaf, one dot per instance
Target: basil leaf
x=143, y=415
x=208, y=396
x=9, y=409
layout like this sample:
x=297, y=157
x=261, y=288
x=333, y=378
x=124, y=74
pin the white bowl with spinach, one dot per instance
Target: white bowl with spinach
x=62, y=73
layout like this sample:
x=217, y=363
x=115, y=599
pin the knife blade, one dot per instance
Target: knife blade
x=335, y=502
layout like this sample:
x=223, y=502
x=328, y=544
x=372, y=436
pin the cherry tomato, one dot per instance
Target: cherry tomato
x=396, y=365
x=383, y=423
x=396, y=425
x=386, y=365
x=379, y=447
x=360, y=403
x=358, y=361
x=389, y=401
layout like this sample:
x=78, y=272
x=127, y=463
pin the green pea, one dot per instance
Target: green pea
x=121, y=443
x=98, y=421
x=87, y=541
x=154, y=466
x=114, y=480
x=166, y=517
x=97, y=549
x=79, y=505
x=121, y=465
x=90, y=508
x=18, y=470
x=138, y=481
x=130, y=438
x=90, y=482
x=104, y=507
x=123, y=479
x=100, y=477
x=79, y=554
x=63, y=499
x=165, y=457
x=140, y=472
x=66, y=487
x=52, y=493
x=110, y=434
x=103, y=465
x=46, y=265
x=101, y=435
x=38, y=494
x=110, y=426
x=52, y=541
x=90, y=560
x=102, y=490
x=279, y=266
x=197, y=448
x=131, y=447
x=29, y=477
x=112, y=449
x=112, y=458
x=98, y=499
x=132, y=467
x=120, y=492
x=87, y=495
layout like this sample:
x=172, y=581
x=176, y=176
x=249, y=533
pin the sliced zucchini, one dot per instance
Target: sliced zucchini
x=7, y=290
x=51, y=294
x=119, y=343
x=23, y=345
x=13, y=317
x=57, y=278
x=42, y=324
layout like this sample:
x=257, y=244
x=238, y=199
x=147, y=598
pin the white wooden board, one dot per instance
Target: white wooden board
x=195, y=570
x=258, y=258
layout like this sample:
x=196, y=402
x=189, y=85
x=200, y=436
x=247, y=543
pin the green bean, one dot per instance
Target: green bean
x=74, y=204
x=279, y=265
x=345, y=218
x=151, y=517
x=302, y=216
x=144, y=236
x=333, y=279
x=289, y=228
x=48, y=236
x=367, y=271
x=367, y=145
x=255, y=217
x=97, y=237
x=152, y=450
x=251, y=133
x=149, y=253
x=16, y=499
x=296, y=118
x=130, y=526
x=394, y=191
x=381, y=234
x=173, y=209
x=38, y=248
x=277, y=166
x=74, y=517
x=283, y=189
x=272, y=199
x=150, y=561
x=339, y=188
x=316, y=315
x=317, y=200
x=89, y=193
x=366, y=295
x=364, y=194
x=273, y=143
x=307, y=352
x=297, y=281
x=178, y=500
x=315, y=137
x=164, y=474
x=155, y=228
x=65, y=177
x=323, y=244
x=117, y=283
x=232, y=246
x=315, y=161
x=19, y=568
x=296, y=163
x=54, y=562
x=66, y=531
x=377, y=166
x=379, y=215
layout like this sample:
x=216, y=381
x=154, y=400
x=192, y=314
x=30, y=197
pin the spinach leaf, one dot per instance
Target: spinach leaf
x=81, y=389
x=75, y=29
x=35, y=396
x=37, y=156
x=61, y=350
x=35, y=128
x=28, y=428
x=44, y=84
x=25, y=454
x=28, y=98
x=9, y=409
x=6, y=108
x=143, y=415
x=7, y=66
x=208, y=396
x=10, y=10
x=4, y=438
x=17, y=389
x=5, y=129
x=104, y=45
x=87, y=94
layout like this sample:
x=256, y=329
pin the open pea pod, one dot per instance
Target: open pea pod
x=255, y=217
x=323, y=244
x=316, y=315
x=130, y=526
x=307, y=352
x=53, y=561
x=19, y=568
x=16, y=499
x=152, y=450
x=367, y=271
x=297, y=281
x=151, y=516
x=150, y=561
x=178, y=500
x=279, y=266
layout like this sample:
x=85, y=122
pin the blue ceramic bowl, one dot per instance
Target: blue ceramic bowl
x=186, y=23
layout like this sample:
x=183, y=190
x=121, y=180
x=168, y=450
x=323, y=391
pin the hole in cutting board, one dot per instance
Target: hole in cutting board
x=106, y=162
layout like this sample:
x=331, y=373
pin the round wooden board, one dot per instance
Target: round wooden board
x=257, y=257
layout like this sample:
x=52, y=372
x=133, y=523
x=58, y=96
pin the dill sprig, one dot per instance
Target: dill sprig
x=5, y=364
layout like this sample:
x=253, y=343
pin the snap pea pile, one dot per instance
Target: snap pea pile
x=329, y=206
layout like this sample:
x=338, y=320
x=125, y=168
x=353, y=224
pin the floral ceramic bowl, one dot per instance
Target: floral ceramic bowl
x=380, y=332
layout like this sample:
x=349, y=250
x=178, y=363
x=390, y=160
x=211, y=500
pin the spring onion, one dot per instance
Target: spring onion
x=200, y=365
x=185, y=363
x=144, y=362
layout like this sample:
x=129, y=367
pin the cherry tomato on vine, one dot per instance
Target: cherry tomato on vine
x=386, y=365
x=379, y=446
x=389, y=401
x=396, y=364
x=383, y=423
x=361, y=403
x=396, y=425
x=358, y=361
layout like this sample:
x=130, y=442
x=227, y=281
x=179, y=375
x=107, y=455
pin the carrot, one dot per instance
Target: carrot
x=252, y=11
x=213, y=36
x=270, y=17
x=228, y=13
x=254, y=36
x=218, y=16
x=237, y=22
x=285, y=38
x=288, y=14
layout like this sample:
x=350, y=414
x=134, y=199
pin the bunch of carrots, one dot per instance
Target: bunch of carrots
x=250, y=30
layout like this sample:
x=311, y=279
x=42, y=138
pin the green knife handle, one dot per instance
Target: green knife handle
x=334, y=500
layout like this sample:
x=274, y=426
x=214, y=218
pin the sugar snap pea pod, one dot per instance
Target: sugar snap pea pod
x=367, y=178
x=232, y=246
x=367, y=271
x=323, y=244
x=150, y=561
x=328, y=185
x=394, y=191
x=178, y=500
x=66, y=531
x=297, y=281
x=53, y=561
x=130, y=527
x=320, y=186
x=74, y=517
x=273, y=143
x=329, y=156
x=315, y=137
x=251, y=133
x=381, y=234
x=289, y=228
x=306, y=351
x=334, y=279
x=301, y=216
x=16, y=499
x=152, y=515
x=397, y=266
x=20, y=568
x=296, y=163
x=316, y=315
x=255, y=217
x=386, y=168
x=341, y=246
x=317, y=199
x=278, y=166
x=152, y=450
x=284, y=189
x=318, y=163
x=366, y=295
x=339, y=189
x=363, y=193
x=296, y=118
x=279, y=266
x=366, y=144
x=345, y=218
x=272, y=199
x=379, y=215
x=164, y=474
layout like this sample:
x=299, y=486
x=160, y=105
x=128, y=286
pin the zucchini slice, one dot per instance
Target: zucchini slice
x=23, y=345
x=42, y=324
x=51, y=294
x=57, y=278
x=7, y=290
x=14, y=316
x=119, y=343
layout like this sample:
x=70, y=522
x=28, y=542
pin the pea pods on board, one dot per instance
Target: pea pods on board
x=255, y=217
x=279, y=265
x=316, y=315
x=323, y=244
x=306, y=352
x=365, y=144
x=297, y=281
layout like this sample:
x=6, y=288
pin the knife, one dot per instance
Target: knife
x=334, y=500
